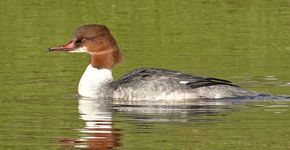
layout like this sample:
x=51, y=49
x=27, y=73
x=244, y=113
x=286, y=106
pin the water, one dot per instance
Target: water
x=246, y=42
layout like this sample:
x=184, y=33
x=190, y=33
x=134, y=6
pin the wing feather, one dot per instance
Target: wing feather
x=164, y=76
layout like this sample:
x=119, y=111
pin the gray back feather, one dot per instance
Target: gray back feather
x=139, y=77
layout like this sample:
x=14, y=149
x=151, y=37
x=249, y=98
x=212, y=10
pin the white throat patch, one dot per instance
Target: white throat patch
x=80, y=50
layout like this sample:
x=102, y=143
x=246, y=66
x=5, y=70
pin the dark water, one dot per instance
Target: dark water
x=246, y=42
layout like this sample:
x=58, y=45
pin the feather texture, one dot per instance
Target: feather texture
x=157, y=84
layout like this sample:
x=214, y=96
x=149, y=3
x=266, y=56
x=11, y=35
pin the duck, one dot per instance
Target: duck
x=142, y=84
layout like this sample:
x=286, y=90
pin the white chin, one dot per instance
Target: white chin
x=79, y=50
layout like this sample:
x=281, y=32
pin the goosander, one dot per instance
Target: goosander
x=140, y=84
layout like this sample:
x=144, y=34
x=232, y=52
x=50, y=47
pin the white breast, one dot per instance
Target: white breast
x=93, y=80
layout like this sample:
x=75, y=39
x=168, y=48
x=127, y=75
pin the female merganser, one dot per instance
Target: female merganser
x=140, y=84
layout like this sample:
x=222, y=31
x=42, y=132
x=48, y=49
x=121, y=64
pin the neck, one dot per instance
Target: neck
x=105, y=59
x=102, y=61
x=94, y=81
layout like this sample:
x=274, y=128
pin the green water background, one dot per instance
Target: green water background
x=247, y=42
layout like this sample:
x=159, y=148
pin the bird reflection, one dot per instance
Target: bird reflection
x=98, y=133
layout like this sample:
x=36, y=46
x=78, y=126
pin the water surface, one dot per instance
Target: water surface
x=246, y=42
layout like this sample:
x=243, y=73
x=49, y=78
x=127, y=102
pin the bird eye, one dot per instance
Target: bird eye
x=84, y=40
x=80, y=42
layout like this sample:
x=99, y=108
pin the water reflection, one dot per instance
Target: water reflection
x=98, y=132
x=97, y=114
